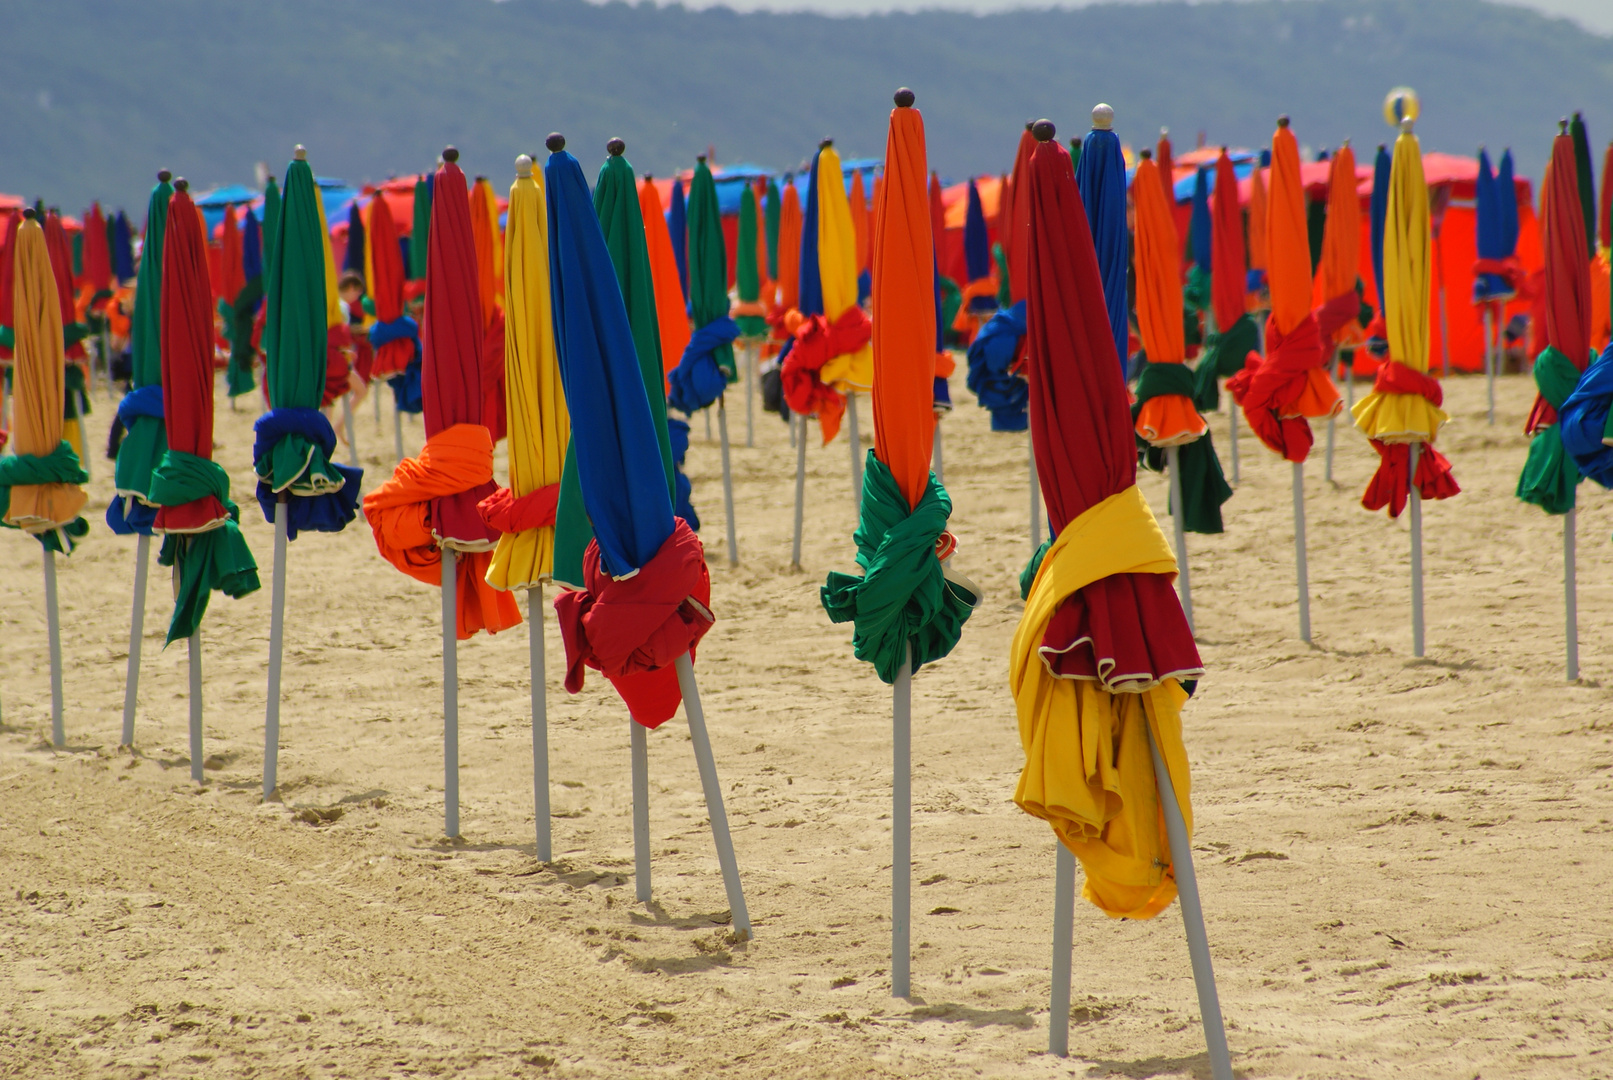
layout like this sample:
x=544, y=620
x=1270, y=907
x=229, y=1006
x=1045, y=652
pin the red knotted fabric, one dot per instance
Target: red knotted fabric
x=505, y=513
x=632, y=629
x=1269, y=390
x=1336, y=313
x=338, y=362
x=1509, y=270
x=817, y=341
x=1389, y=485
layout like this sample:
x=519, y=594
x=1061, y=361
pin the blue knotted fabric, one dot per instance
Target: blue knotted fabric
x=325, y=510
x=1585, y=423
x=128, y=515
x=997, y=388
x=698, y=381
x=678, y=434
x=406, y=393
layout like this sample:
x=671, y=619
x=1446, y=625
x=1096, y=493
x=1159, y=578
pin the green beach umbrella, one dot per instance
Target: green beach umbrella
x=421, y=230
x=144, y=439
x=708, y=262
x=747, y=274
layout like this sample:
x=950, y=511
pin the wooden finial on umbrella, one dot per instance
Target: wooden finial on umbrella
x=824, y=144
x=904, y=98
x=450, y=154
x=616, y=148
x=163, y=176
x=1562, y=126
x=555, y=143
x=523, y=167
x=1103, y=117
x=299, y=152
x=181, y=184
x=29, y=213
x=1282, y=121
x=1043, y=130
x=1146, y=155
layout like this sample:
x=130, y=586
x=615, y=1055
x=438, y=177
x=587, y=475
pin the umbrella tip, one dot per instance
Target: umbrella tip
x=1345, y=143
x=1407, y=124
x=1282, y=121
x=181, y=184
x=824, y=144
x=555, y=143
x=450, y=154
x=1223, y=149
x=616, y=148
x=29, y=213
x=1043, y=130
x=1164, y=132
x=905, y=98
x=299, y=152
x=1146, y=155
x=1103, y=117
x=523, y=167
x=1029, y=124
x=700, y=159
x=163, y=176
x=1562, y=126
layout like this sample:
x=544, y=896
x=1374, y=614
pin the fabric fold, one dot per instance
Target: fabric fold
x=993, y=378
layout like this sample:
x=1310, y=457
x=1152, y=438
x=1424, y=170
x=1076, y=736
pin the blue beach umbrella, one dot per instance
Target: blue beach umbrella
x=678, y=222
x=977, y=247
x=1101, y=177
x=811, y=289
x=1198, y=229
x=1380, y=212
x=122, y=248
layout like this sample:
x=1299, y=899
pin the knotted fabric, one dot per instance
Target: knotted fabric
x=1279, y=393
x=1496, y=280
x=505, y=513
x=291, y=452
x=1222, y=356
x=140, y=413
x=1404, y=408
x=60, y=467
x=1550, y=476
x=385, y=335
x=816, y=342
x=207, y=553
x=1585, y=421
x=698, y=380
x=903, y=597
x=403, y=516
x=1106, y=811
x=993, y=357
x=631, y=629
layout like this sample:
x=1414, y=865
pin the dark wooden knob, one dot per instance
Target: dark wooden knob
x=450, y=154
x=164, y=176
x=904, y=98
x=555, y=143
x=616, y=148
x=1043, y=130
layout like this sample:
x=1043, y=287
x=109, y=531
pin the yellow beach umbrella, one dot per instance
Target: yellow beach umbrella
x=837, y=265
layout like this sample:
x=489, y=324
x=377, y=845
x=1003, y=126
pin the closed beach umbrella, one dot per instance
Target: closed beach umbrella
x=1234, y=334
x=672, y=315
x=140, y=411
x=678, y=225
x=1101, y=176
x=707, y=365
x=750, y=313
x=789, y=248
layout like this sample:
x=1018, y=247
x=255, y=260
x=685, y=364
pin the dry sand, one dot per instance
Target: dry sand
x=1404, y=863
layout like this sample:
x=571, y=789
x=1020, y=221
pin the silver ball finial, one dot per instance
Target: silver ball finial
x=1406, y=125
x=1103, y=117
x=523, y=167
x=300, y=153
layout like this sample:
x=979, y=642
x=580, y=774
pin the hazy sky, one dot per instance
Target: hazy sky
x=1594, y=14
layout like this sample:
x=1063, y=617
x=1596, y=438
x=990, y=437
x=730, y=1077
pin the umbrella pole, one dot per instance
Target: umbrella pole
x=1184, y=578
x=800, y=490
x=638, y=744
x=936, y=457
x=194, y=647
x=375, y=394
x=450, y=692
x=706, y=412
x=352, y=433
x=1198, y=943
x=1416, y=555
x=1490, y=358
x=727, y=483
x=856, y=453
x=749, y=354
x=1300, y=569
x=1570, y=597
x=137, y=629
x=1036, y=499
x=277, y=640
x=540, y=723
x=739, y=913
x=1058, y=1021
x=902, y=829
x=53, y=629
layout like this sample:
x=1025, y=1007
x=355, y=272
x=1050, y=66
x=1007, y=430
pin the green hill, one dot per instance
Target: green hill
x=99, y=94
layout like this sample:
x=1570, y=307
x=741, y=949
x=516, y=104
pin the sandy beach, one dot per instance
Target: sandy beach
x=1404, y=863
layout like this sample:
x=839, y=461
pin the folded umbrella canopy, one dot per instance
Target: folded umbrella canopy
x=420, y=231
x=750, y=313
x=678, y=225
x=1196, y=288
x=671, y=310
x=1259, y=215
x=1016, y=237
x=121, y=238
x=1496, y=272
x=395, y=336
x=240, y=290
x=1585, y=180
x=1101, y=176
x=489, y=243
x=707, y=365
x=853, y=369
x=75, y=398
x=994, y=353
x=906, y=609
x=980, y=291
x=857, y=202
x=1233, y=334
x=40, y=482
x=1338, y=315
x=646, y=602
x=1097, y=663
x=616, y=209
x=140, y=411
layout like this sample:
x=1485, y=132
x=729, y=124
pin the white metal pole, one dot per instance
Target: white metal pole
x=397, y=429
x=936, y=457
x=1198, y=943
x=706, y=412
x=1058, y=1021
x=194, y=646
x=902, y=829
x=800, y=490
x=1184, y=578
x=638, y=743
x=540, y=723
x=749, y=355
x=714, y=804
x=277, y=639
x=856, y=453
x=727, y=484
x=352, y=429
x=1490, y=358
x=1300, y=569
x=137, y=629
x=1416, y=554
x=1570, y=596
x=53, y=629
x=450, y=692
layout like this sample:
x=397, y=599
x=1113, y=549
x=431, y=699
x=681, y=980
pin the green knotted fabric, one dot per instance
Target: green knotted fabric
x=747, y=275
x=421, y=230
x=1004, y=293
x=771, y=210
x=216, y=559
x=622, y=223
x=1550, y=476
x=1222, y=357
x=1027, y=576
x=60, y=466
x=294, y=337
x=903, y=597
x=271, y=224
x=239, y=319
x=145, y=439
x=708, y=262
x=1204, y=487
x=75, y=395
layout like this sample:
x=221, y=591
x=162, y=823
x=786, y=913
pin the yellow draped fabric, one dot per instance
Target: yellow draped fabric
x=837, y=266
x=539, y=426
x=39, y=371
x=1088, y=769
x=369, y=249
x=333, y=298
x=1404, y=418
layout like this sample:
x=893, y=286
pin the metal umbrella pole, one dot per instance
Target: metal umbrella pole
x=540, y=724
